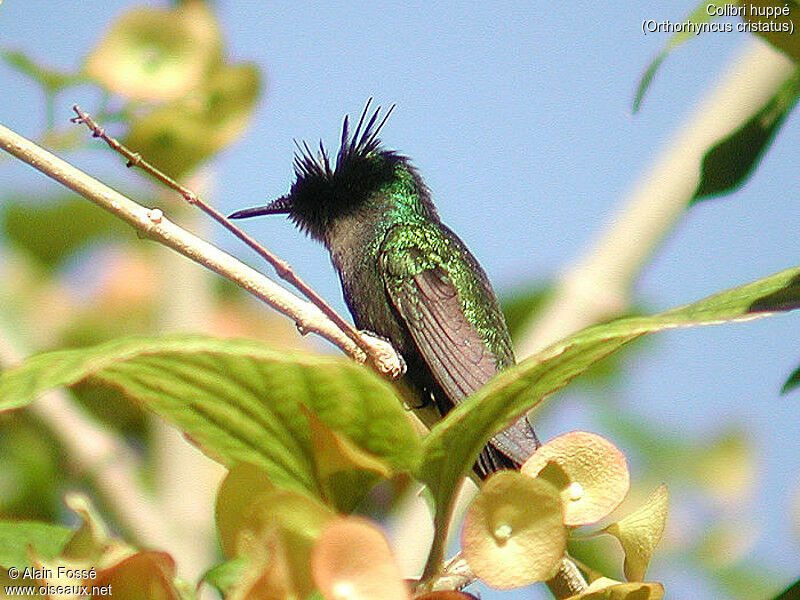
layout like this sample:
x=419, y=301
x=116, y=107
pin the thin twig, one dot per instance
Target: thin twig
x=152, y=223
x=455, y=575
x=282, y=268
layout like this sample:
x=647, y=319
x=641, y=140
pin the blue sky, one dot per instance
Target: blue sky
x=519, y=118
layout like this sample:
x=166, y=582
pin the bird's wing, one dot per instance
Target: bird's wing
x=424, y=295
x=422, y=290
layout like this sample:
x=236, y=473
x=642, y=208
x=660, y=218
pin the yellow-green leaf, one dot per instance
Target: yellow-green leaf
x=345, y=471
x=609, y=589
x=513, y=531
x=156, y=54
x=640, y=532
x=236, y=496
x=298, y=522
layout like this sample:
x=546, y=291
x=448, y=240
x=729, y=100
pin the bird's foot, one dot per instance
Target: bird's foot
x=386, y=358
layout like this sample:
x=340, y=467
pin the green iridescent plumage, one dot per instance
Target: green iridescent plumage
x=405, y=275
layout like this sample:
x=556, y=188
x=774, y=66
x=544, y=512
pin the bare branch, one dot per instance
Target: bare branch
x=153, y=224
x=282, y=268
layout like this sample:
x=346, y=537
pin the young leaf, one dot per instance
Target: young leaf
x=17, y=537
x=141, y=576
x=453, y=444
x=698, y=16
x=297, y=521
x=353, y=561
x=344, y=471
x=731, y=161
x=226, y=575
x=514, y=533
x=237, y=494
x=92, y=539
x=640, y=532
x=239, y=400
x=265, y=575
x=792, y=382
x=596, y=469
x=156, y=54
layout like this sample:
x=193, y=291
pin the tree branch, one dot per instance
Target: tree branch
x=153, y=224
x=597, y=286
x=282, y=268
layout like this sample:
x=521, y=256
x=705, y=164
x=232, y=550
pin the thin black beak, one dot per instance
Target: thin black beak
x=281, y=206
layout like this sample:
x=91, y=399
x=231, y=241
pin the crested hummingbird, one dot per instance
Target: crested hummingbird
x=405, y=275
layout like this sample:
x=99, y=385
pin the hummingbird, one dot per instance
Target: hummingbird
x=405, y=275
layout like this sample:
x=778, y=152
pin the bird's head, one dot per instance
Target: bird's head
x=362, y=178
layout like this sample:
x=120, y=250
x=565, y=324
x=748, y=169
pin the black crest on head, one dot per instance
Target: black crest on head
x=353, y=150
x=323, y=191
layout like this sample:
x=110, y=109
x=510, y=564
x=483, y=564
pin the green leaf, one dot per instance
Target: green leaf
x=16, y=537
x=792, y=382
x=225, y=576
x=731, y=161
x=699, y=15
x=790, y=593
x=51, y=232
x=453, y=444
x=345, y=472
x=178, y=136
x=48, y=78
x=238, y=400
x=236, y=495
